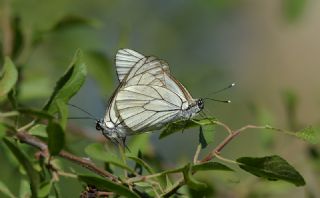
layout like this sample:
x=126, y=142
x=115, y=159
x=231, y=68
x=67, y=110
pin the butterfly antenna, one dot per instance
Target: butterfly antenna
x=92, y=116
x=225, y=88
x=223, y=101
x=80, y=118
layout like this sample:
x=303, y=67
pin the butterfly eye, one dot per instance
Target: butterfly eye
x=98, y=125
x=200, y=103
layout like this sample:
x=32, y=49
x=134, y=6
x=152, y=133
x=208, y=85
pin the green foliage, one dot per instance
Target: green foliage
x=69, y=84
x=272, y=168
x=190, y=180
x=97, y=151
x=56, y=139
x=107, y=185
x=210, y=166
x=5, y=190
x=27, y=130
x=27, y=165
x=45, y=189
x=310, y=134
x=185, y=124
x=40, y=114
x=8, y=77
x=293, y=9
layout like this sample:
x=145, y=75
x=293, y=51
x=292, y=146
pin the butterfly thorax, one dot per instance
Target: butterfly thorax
x=110, y=130
x=193, y=108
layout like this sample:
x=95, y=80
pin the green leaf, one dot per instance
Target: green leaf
x=177, y=126
x=309, y=134
x=142, y=163
x=8, y=77
x=36, y=113
x=69, y=84
x=174, y=170
x=24, y=189
x=208, y=132
x=2, y=130
x=190, y=181
x=56, y=138
x=107, y=185
x=12, y=98
x=5, y=190
x=26, y=164
x=211, y=166
x=63, y=112
x=293, y=9
x=97, y=151
x=271, y=168
x=185, y=124
x=139, y=142
x=45, y=189
x=74, y=20
x=39, y=130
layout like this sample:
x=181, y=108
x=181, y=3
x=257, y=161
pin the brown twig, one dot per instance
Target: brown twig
x=230, y=137
x=33, y=141
x=232, y=134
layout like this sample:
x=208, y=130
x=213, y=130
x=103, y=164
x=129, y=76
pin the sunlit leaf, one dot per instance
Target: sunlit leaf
x=142, y=163
x=5, y=190
x=56, y=138
x=8, y=77
x=139, y=143
x=24, y=189
x=27, y=165
x=185, y=124
x=69, y=84
x=206, y=135
x=39, y=130
x=63, y=112
x=211, y=166
x=104, y=184
x=45, y=189
x=310, y=134
x=271, y=168
x=191, y=181
x=174, y=170
x=97, y=151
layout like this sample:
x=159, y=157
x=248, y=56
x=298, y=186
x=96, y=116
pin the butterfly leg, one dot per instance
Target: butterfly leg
x=185, y=124
x=123, y=143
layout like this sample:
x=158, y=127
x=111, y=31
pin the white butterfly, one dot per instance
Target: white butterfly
x=147, y=98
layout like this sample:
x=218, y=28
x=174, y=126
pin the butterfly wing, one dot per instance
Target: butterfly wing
x=149, y=97
x=125, y=60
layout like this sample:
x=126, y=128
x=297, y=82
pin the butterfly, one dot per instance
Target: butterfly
x=147, y=98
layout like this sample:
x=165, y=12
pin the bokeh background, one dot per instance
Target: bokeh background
x=269, y=48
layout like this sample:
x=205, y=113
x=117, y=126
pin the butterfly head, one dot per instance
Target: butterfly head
x=99, y=126
x=200, y=103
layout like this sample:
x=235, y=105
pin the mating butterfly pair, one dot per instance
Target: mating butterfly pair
x=147, y=98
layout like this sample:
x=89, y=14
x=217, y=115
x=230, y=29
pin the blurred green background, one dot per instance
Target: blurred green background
x=269, y=48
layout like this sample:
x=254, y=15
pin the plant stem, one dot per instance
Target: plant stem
x=226, y=141
x=215, y=152
x=196, y=155
x=9, y=114
x=33, y=141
